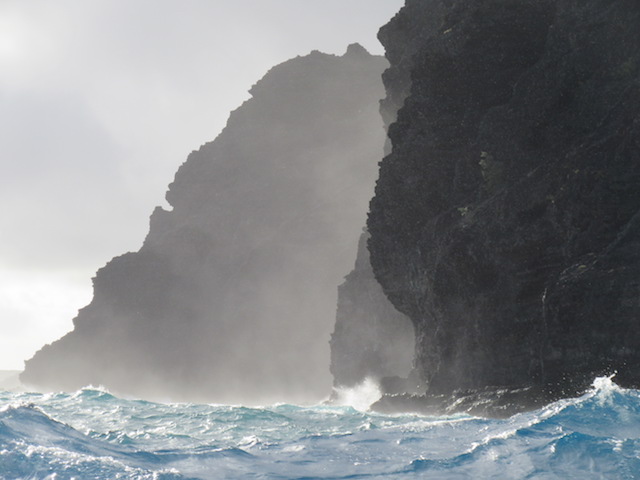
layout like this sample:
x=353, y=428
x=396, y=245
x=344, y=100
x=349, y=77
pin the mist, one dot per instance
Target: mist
x=233, y=295
x=99, y=105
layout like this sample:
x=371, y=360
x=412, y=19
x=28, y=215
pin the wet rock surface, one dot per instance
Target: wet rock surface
x=506, y=220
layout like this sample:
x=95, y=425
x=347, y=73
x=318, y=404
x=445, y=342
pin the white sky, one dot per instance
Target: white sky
x=100, y=102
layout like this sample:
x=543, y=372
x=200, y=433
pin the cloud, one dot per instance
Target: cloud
x=28, y=296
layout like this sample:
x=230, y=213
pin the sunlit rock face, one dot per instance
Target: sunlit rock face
x=232, y=297
x=506, y=220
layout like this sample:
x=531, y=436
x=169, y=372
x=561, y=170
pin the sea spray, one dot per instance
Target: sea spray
x=360, y=397
x=94, y=434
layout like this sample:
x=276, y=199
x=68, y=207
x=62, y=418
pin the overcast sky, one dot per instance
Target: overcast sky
x=100, y=102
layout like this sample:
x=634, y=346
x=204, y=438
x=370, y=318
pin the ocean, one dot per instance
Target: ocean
x=92, y=434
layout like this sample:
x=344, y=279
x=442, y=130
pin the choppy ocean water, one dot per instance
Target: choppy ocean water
x=92, y=434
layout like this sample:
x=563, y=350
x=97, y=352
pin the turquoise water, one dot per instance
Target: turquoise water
x=92, y=434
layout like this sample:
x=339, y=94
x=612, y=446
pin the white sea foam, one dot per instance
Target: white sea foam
x=360, y=397
x=100, y=436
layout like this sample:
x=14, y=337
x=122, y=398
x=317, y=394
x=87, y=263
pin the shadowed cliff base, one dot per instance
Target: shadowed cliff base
x=505, y=221
x=371, y=339
x=232, y=296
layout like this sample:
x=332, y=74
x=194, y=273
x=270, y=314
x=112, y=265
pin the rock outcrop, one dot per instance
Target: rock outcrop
x=232, y=296
x=506, y=220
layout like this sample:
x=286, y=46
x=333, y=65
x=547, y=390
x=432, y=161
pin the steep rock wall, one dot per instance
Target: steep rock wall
x=505, y=219
x=230, y=299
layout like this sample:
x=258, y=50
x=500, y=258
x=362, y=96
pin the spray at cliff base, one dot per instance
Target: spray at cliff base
x=93, y=434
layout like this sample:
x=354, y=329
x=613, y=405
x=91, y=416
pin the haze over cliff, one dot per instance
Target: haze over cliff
x=372, y=340
x=232, y=296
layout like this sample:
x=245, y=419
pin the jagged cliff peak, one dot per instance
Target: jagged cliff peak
x=355, y=50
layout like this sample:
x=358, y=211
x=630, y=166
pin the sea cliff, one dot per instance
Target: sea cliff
x=232, y=296
x=506, y=219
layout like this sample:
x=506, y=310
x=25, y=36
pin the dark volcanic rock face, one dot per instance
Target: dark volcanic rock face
x=231, y=297
x=506, y=220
